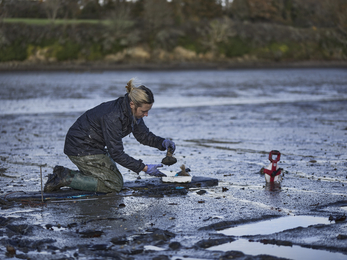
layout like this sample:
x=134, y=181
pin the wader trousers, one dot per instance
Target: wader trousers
x=97, y=173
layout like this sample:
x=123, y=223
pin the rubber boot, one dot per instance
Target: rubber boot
x=61, y=177
x=83, y=182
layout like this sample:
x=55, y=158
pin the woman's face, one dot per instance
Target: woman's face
x=141, y=111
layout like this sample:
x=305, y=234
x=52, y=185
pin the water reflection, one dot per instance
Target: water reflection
x=274, y=225
x=273, y=186
x=293, y=252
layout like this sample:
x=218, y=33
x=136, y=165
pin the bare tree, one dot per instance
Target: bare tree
x=52, y=7
x=218, y=31
x=157, y=15
x=158, y=23
x=121, y=20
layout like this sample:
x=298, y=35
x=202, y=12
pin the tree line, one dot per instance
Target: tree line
x=200, y=30
x=298, y=13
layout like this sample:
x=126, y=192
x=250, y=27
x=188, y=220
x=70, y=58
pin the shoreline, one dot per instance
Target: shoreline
x=104, y=66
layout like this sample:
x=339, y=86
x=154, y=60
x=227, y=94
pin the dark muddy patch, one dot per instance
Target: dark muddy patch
x=213, y=242
x=227, y=224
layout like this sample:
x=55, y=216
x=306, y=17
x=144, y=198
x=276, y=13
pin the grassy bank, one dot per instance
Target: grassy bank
x=31, y=21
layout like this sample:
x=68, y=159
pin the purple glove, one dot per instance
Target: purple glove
x=168, y=143
x=153, y=171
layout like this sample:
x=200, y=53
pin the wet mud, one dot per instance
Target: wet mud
x=224, y=124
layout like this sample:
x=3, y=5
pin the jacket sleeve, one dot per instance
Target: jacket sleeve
x=112, y=131
x=145, y=137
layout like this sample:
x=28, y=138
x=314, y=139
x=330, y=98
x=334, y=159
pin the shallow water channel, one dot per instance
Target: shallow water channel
x=224, y=124
x=292, y=252
x=274, y=226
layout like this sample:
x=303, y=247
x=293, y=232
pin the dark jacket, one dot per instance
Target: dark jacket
x=104, y=126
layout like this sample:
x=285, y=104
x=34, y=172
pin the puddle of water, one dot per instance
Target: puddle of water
x=274, y=225
x=293, y=252
x=15, y=213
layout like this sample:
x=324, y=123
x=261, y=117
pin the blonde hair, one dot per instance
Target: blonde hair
x=139, y=95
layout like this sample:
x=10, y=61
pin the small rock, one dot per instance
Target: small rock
x=71, y=225
x=119, y=240
x=49, y=226
x=201, y=192
x=175, y=245
x=98, y=247
x=161, y=257
x=91, y=234
x=341, y=236
x=11, y=250
x=20, y=229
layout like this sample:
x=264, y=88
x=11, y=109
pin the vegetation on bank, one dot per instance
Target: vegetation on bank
x=159, y=31
x=45, y=21
x=237, y=41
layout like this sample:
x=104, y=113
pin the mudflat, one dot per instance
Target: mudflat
x=224, y=124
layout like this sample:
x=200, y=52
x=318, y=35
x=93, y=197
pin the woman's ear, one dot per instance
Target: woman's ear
x=132, y=105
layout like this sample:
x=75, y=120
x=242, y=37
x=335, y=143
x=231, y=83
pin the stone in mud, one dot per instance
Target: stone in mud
x=91, y=233
x=71, y=225
x=156, y=235
x=232, y=255
x=51, y=247
x=132, y=251
x=11, y=251
x=4, y=221
x=27, y=245
x=109, y=254
x=175, y=245
x=68, y=248
x=20, y=229
x=162, y=235
x=161, y=257
x=341, y=236
x=213, y=242
x=276, y=242
x=119, y=240
x=338, y=218
x=22, y=256
x=224, y=189
x=49, y=226
x=5, y=202
x=201, y=192
x=98, y=247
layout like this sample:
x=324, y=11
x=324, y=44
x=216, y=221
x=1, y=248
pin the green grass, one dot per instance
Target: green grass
x=48, y=21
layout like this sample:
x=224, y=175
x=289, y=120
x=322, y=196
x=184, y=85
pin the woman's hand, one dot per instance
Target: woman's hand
x=151, y=169
x=168, y=143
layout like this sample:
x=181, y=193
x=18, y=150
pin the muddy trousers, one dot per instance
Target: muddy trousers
x=96, y=173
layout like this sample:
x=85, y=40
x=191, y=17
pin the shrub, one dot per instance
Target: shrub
x=234, y=47
x=94, y=52
x=68, y=51
x=15, y=51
